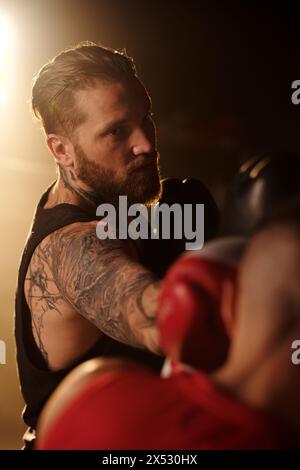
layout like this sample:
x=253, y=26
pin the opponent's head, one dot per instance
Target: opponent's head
x=268, y=302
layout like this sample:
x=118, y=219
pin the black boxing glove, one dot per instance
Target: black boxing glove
x=158, y=254
x=262, y=185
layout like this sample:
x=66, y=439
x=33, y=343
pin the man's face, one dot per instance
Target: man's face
x=115, y=147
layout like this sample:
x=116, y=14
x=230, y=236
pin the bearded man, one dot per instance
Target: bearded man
x=79, y=297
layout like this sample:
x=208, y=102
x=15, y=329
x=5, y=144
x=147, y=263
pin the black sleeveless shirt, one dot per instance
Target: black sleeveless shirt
x=37, y=381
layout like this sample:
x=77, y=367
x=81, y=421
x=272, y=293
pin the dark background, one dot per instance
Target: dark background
x=220, y=76
x=219, y=73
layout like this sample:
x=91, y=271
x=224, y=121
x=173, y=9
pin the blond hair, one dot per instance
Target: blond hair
x=77, y=68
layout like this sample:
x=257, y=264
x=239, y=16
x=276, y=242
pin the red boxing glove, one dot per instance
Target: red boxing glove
x=190, y=318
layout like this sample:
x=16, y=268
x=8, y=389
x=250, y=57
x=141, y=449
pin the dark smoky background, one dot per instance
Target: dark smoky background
x=220, y=76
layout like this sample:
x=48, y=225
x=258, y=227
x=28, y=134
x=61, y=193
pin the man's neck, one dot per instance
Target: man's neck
x=67, y=191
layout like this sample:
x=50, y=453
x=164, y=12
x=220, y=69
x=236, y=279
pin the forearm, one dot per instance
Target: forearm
x=141, y=314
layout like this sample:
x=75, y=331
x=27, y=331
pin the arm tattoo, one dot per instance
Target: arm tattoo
x=40, y=290
x=104, y=285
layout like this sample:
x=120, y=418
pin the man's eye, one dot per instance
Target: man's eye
x=115, y=132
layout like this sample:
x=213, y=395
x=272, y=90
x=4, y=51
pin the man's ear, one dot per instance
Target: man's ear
x=62, y=149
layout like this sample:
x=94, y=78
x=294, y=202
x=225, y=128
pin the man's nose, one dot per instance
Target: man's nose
x=144, y=142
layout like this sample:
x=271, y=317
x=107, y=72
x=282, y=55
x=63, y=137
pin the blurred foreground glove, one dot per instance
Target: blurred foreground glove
x=158, y=254
x=193, y=324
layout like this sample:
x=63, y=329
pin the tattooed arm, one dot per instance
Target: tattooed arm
x=104, y=284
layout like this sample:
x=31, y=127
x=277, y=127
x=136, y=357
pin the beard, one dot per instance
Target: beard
x=141, y=185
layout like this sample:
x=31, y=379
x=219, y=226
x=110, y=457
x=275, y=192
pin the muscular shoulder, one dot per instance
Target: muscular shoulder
x=79, y=241
x=69, y=257
x=75, y=243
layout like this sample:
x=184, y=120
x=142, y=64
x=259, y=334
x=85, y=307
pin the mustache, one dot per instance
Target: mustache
x=148, y=159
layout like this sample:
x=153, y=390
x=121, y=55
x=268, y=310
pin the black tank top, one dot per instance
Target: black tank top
x=37, y=381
